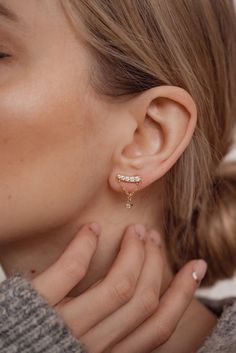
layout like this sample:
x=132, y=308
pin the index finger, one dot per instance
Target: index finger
x=57, y=280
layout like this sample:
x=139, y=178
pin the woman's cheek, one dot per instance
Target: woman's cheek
x=44, y=174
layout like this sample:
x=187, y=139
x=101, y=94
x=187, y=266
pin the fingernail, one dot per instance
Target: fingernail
x=155, y=236
x=140, y=230
x=199, y=271
x=95, y=228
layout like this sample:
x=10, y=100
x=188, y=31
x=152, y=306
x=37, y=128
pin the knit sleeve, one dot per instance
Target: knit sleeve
x=29, y=324
x=223, y=337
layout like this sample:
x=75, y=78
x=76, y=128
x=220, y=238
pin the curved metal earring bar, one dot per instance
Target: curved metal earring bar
x=136, y=179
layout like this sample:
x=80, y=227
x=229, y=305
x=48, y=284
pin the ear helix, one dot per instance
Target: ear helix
x=135, y=179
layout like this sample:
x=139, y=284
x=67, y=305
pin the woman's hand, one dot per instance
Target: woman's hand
x=123, y=312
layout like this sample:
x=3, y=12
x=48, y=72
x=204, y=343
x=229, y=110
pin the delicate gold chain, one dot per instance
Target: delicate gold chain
x=129, y=194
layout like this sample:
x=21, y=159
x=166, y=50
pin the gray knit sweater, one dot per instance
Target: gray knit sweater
x=28, y=324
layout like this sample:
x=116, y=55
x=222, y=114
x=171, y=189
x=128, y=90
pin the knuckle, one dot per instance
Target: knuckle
x=163, y=334
x=149, y=301
x=74, y=268
x=122, y=289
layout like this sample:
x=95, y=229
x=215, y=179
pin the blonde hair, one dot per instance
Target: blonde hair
x=139, y=44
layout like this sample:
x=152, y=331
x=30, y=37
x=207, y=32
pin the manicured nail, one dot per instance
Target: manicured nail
x=155, y=236
x=140, y=230
x=199, y=271
x=95, y=228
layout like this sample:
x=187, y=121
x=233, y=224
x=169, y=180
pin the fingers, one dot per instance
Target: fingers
x=115, y=290
x=142, y=305
x=159, y=327
x=56, y=281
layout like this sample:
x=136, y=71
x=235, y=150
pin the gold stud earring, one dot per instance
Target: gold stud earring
x=136, y=179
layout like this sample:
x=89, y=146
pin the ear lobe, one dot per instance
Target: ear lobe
x=162, y=134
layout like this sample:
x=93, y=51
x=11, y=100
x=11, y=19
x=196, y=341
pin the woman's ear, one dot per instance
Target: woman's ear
x=165, y=119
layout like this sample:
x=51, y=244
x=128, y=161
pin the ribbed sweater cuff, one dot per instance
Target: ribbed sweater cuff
x=28, y=324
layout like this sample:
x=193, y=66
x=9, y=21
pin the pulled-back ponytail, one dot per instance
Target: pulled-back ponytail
x=210, y=233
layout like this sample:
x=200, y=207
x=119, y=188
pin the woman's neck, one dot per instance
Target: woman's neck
x=34, y=254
